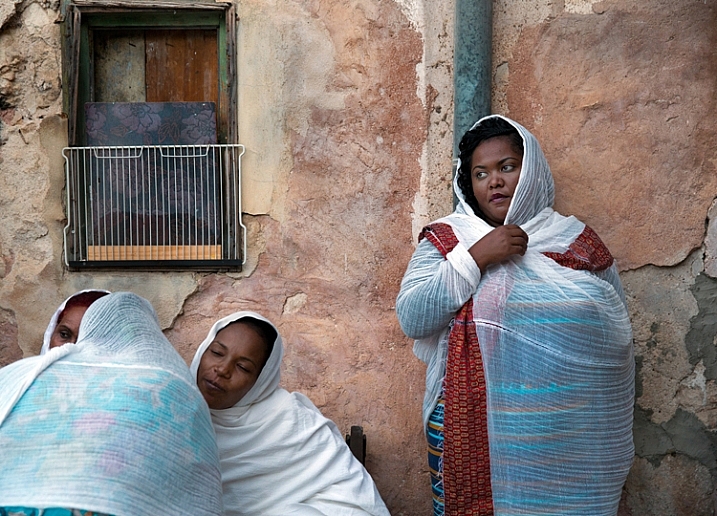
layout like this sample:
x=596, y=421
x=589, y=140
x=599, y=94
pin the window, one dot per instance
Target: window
x=153, y=166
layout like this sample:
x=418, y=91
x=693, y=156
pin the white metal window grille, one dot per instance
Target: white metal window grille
x=154, y=207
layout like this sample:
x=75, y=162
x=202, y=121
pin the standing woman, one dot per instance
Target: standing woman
x=519, y=314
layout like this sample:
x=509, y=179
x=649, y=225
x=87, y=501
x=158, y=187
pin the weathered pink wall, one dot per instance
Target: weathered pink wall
x=624, y=103
x=623, y=97
x=332, y=266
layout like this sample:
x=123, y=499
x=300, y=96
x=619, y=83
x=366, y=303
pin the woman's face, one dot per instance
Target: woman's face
x=231, y=365
x=495, y=170
x=68, y=327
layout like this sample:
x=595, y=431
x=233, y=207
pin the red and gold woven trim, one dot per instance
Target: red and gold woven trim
x=587, y=253
x=441, y=236
x=466, y=455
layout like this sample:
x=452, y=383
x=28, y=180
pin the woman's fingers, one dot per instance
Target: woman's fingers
x=517, y=238
x=499, y=244
x=515, y=231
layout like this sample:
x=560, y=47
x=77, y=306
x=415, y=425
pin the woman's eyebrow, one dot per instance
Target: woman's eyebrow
x=247, y=359
x=499, y=162
x=225, y=348
x=220, y=344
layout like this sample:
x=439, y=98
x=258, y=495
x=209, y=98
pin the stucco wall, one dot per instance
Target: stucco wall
x=622, y=95
x=346, y=113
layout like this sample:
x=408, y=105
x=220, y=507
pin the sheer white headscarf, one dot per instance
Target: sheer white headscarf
x=111, y=424
x=54, y=320
x=268, y=380
x=535, y=190
x=531, y=207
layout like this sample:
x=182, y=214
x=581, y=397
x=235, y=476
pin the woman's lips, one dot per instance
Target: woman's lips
x=212, y=386
x=497, y=197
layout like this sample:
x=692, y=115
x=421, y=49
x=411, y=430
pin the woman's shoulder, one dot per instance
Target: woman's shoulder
x=305, y=408
x=305, y=404
x=312, y=417
x=445, y=233
x=283, y=413
x=285, y=404
x=441, y=235
x=585, y=249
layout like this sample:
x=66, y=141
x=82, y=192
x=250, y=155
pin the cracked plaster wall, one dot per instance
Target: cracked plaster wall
x=346, y=114
x=622, y=97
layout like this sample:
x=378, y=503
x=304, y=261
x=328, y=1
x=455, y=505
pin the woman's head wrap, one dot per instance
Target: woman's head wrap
x=111, y=424
x=56, y=316
x=535, y=190
x=279, y=454
x=268, y=379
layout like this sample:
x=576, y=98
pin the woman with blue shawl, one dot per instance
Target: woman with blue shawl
x=519, y=314
x=112, y=424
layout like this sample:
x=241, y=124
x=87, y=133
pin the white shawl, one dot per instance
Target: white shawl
x=280, y=456
x=111, y=424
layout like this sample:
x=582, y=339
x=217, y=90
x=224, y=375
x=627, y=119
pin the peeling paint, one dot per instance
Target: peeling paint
x=683, y=434
x=697, y=381
x=413, y=10
x=295, y=303
x=9, y=350
x=700, y=340
x=8, y=10
x=710, y=243
x=580, y=6
x=680, y=486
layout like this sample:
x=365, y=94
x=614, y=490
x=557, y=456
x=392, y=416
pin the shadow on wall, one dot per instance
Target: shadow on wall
x=9, y=349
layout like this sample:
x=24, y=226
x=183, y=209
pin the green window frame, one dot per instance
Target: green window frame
x=81, y=17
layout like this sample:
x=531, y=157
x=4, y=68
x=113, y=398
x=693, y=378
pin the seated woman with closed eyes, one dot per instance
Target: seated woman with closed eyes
x=278, y=454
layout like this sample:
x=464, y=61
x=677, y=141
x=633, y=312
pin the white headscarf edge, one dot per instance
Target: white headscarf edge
x=270, y=375
x=53, y=320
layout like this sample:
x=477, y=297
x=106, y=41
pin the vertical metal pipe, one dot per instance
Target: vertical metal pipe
x=471, y=66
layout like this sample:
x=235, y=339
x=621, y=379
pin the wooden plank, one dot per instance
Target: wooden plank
x=73, y=75
x=357, y=443
x=150, y=19
x=182, y=66
x=227, y=111
x=98, y=253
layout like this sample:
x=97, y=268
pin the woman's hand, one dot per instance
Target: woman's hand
x=499, y=244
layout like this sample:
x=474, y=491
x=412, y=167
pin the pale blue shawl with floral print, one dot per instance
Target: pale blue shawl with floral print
x=112, y=424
